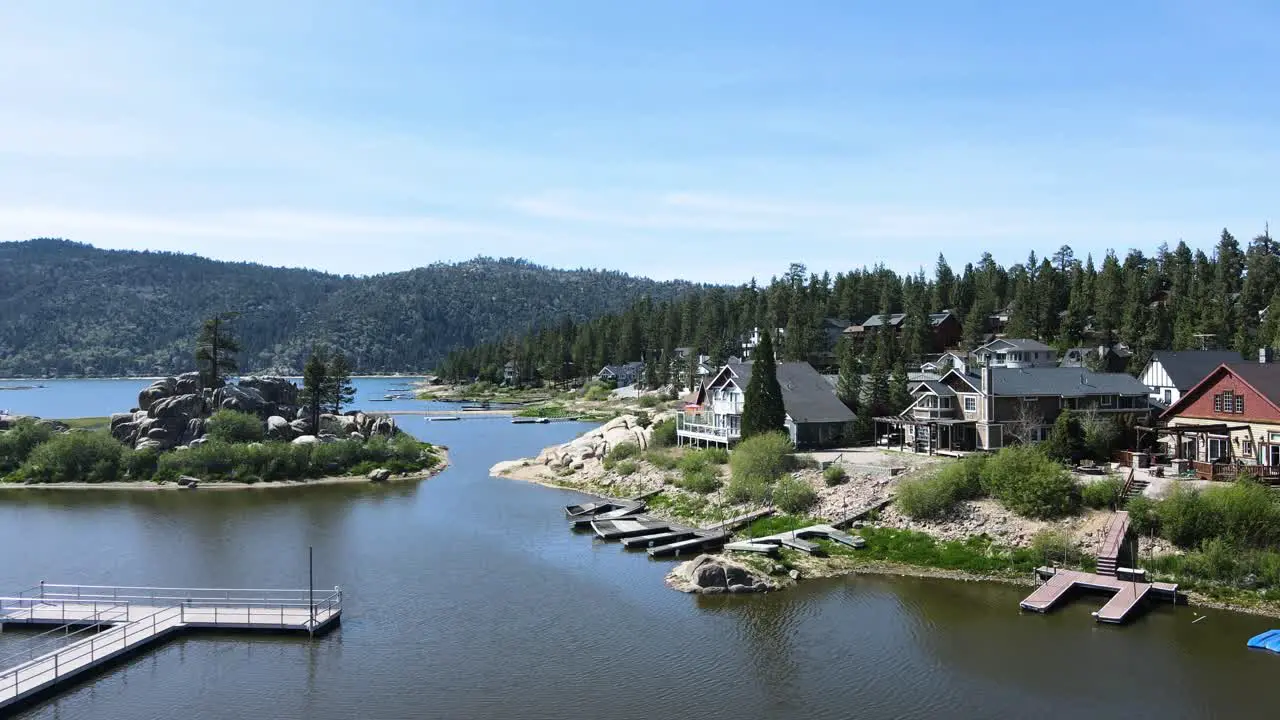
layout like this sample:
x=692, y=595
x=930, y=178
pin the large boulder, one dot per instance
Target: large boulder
x=279, y=429
x=157, y=390
x=184, y=407
x=715, y=574
x=240, y=398
x=188, y=384
x=338, y=425
x=306, y=440
x=192, y=431
x=275, y=390
x=301, y=426
x=379, y=475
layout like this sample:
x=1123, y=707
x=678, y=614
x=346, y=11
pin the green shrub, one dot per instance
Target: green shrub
x=834, y=475
x=221, y=461
x=664, y=434
x=702, y=481
x=1184, y=517
x=750, y=489
x=1102, y=494
x=794, y=496
x=75, y=457
x=1027, y=482
x=626, y=467
x=233, y=427
x=140, y=465
x=643, y=420
x=596, y=391
x=1142, y=515
x=1101, y=436
x=1051, y=546
x=650, y=401
x=662, y=459
x=1244, y=514
x=17, y=443
x=622, y=451
x=934, y=496
x=761, y=459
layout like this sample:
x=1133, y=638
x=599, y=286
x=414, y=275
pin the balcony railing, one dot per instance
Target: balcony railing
x=705, y=425
x=932, y=413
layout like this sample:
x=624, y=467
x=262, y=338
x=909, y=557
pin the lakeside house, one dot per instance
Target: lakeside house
x=622, y=375
x=750, y=342
x=945, y=328
x=1169, y=374
x=1103, y=358
x=511, y=373
x=1003, y=405
x=1229, y=420
x=1014, y=353
x=815, y=416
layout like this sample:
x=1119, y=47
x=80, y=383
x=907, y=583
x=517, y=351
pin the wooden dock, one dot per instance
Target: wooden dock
x=1127, y=595
x=1113, y=537
x=94, y=626
x=797, y=539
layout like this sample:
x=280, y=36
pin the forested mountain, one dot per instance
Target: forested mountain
x=1176, y=298
x=70, y=309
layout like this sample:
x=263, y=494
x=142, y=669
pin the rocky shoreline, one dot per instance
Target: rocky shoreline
x=577, y=465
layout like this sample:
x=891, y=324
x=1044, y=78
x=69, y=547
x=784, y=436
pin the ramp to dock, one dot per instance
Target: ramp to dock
x=96, y=625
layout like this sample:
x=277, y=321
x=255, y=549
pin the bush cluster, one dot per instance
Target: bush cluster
x=934, y=496
x=792, y=495
x=17, y=442
x=756, y=464
x=97, y=457
x=1027, y=482
x=1103, y=494
x=834, y=475
x=618, y=453
x=233, y=427
x=664, y=434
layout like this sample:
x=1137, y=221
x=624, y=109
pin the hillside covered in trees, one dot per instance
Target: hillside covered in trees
x=71, y=309
x=1175, y=298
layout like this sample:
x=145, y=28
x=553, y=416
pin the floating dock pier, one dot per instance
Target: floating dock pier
x=614, y=519
x=797, y=539
x=95, y=625
x=1128, y=594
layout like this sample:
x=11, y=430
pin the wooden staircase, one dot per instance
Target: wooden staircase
x=1113, y=536
x=1133, y=487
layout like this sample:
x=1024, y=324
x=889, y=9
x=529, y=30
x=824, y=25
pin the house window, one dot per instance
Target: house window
x=1168, y=396
x=1239, y=404
x=1219, y=449
x=1107, y=401
x=945, y=402
x=1217, y=403
x=970, y=404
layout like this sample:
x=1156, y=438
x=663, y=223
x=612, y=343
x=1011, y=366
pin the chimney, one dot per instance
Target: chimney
x=1265, y=355
x=986, y=379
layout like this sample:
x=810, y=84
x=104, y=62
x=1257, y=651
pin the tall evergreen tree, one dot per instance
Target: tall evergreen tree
x=315, y=386
x=216, y=349
x=763, y=411
x=944, y=282
x=849, y=383
x=340, y=391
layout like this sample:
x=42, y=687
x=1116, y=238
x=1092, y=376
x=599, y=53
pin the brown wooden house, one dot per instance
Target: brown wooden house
x=1228, y=422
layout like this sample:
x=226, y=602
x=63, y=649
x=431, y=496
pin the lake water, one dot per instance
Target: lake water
x=467, y=597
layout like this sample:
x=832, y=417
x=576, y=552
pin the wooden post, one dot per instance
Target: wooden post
x=311, y=585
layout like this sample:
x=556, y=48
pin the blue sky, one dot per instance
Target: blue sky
x=714, y=141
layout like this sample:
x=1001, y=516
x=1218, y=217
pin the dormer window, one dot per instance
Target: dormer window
x=1228, y=402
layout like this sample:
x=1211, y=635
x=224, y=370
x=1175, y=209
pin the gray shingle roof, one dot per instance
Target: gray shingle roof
x=1064, y=382
x=1019, y=344
x=937, y=388
x=1188, y=367
x=806, y=396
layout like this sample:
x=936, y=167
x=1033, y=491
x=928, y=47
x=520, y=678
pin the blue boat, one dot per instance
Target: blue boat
x=1269, y=640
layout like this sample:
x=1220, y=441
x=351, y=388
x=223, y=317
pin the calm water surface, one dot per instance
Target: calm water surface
x=467, y=597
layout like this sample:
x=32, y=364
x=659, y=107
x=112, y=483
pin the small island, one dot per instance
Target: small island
x=198, y=430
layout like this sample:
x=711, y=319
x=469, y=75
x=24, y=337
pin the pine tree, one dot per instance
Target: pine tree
x=1066, y=438
x=216, y=349
x=899, y=390
x=315, y=386
x=340, y=391
x=763, y=411
x=849, y=384
x=944, y=281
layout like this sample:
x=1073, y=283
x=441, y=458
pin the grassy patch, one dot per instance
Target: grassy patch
x=626, y=467
x=550, y=410
x=834, y=475
x=87, y=423
x=977, y=555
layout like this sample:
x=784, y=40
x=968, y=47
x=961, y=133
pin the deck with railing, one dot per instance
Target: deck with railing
x=94, y=625
x=1230, y=471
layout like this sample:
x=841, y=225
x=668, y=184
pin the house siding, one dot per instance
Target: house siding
x=1260, y=416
